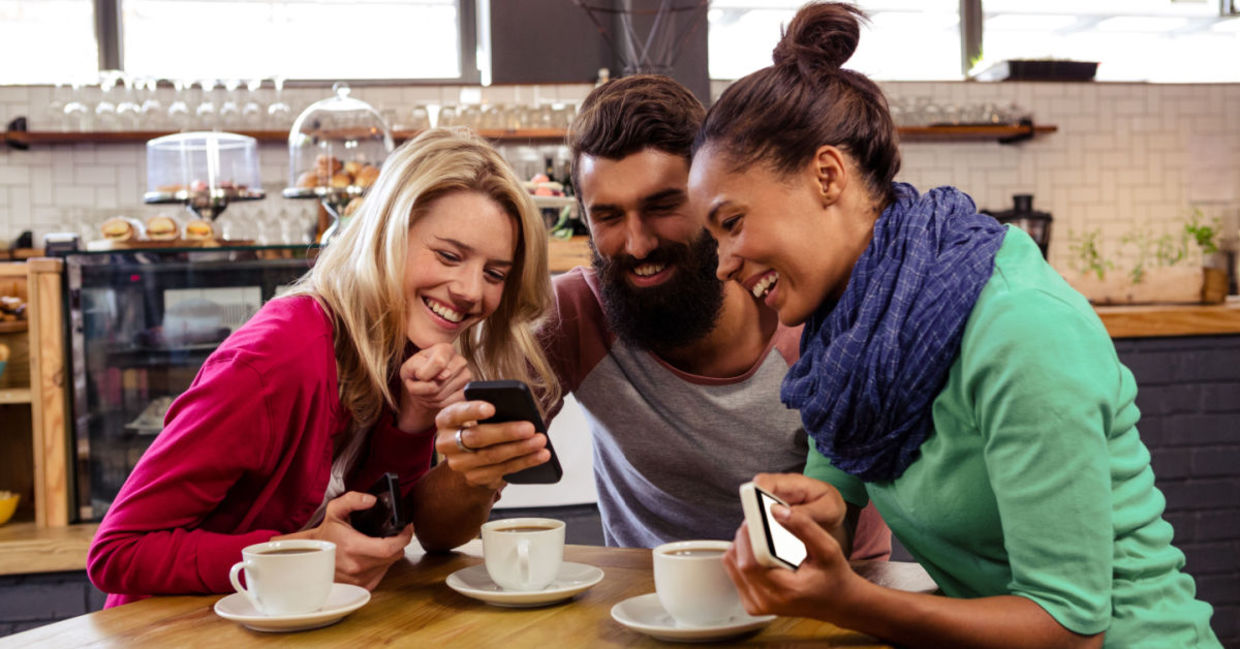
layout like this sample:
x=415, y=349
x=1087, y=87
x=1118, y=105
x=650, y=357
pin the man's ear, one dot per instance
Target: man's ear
x=830, y=174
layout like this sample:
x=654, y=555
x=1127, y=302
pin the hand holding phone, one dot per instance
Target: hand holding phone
x=513, y=401
x=773, y=545
x=387, y=516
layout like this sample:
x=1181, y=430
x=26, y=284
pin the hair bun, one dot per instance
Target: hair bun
x=820, y=38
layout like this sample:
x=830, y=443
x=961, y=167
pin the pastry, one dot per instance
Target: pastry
x=366, y=176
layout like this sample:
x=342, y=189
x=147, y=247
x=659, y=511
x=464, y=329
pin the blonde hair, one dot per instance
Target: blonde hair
x=359, y=277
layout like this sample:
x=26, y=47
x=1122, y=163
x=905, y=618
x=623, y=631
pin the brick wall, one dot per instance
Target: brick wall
x=1189, y=396
x=28, y=601
x=1125, y=156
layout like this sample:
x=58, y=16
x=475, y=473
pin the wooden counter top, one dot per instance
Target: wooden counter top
x=1154, y=320
x=25, y=548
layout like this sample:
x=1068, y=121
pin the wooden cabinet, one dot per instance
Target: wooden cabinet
x=33, y=435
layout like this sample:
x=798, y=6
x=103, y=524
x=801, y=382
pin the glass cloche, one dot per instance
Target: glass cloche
x=335, y=149
x=205, y=170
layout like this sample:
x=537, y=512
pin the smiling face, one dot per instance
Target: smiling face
x=655, y=263
x=460, y=256
x=790, y=241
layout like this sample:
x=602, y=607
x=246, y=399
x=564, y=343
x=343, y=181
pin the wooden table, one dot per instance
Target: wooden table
x=414, y=607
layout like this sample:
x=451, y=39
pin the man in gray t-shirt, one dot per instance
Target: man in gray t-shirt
x=678, y=374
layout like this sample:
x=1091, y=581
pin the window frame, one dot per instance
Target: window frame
x=108, y=34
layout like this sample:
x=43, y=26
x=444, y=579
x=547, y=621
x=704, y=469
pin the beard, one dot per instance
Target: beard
x=672, y=314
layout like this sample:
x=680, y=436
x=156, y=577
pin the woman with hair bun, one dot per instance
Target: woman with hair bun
x=438, y=279
x=947, y=374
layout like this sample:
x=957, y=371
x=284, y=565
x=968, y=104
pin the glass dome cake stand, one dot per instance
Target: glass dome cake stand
x=336, y=147
x=203, y=170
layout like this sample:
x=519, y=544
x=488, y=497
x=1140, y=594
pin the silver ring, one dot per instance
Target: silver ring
x=461, y=443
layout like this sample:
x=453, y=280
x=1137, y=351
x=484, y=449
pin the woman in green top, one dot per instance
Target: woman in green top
x=947, y=373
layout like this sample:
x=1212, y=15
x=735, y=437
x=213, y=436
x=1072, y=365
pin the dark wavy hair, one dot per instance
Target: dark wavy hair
x=624, y=116
x=781, y=114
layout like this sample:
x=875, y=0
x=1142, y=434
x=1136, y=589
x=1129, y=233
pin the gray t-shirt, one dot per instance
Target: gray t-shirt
x=671, y=448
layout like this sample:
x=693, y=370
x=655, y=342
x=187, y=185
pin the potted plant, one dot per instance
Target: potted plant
x=1176, y=267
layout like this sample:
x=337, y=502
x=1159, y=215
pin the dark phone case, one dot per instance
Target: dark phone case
x=386, y=517
x=513, y=401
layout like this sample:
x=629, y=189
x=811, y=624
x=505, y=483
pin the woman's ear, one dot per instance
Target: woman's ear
x=830, y=174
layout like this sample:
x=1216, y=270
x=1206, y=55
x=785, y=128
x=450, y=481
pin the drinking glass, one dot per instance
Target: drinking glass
x=61, y=94
x=105, y=109
x=149, y=106
x=251, y=109
x=206, y=115
x=128, y=110
x=279, y=113
x=179, y=116
x=230, y=107
x=76, y=117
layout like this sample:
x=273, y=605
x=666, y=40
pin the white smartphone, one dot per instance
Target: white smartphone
x=773, y=545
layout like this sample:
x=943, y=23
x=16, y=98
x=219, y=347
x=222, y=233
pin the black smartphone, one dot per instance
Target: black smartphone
x=513, y=401
x=387, y=517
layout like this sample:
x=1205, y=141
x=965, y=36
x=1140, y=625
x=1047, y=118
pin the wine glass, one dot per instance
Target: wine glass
x=206, y=114
x=251, y=109
x=76, y=118
x=128, y=111
x=279, y=114
x=179, y=116
x=105, y=109
x=149, y=107
x=230, y=108
x=61, y=94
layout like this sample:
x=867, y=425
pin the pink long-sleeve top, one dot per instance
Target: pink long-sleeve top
x=245, y=455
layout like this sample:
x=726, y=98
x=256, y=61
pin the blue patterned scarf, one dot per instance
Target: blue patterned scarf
x=872, y=363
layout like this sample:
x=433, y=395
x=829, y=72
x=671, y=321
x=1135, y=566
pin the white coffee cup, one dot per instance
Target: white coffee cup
x=287, y=577
x=692, y=585
x=523, y=554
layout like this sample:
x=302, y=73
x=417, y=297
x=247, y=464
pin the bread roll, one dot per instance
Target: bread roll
x=122, y=228
x=341, y=180
x=198, y=230
x=162, y=228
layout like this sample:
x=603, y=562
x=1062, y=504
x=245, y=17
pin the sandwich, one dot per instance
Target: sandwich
x=162, y=228
x=198, y=230
x=121, y=228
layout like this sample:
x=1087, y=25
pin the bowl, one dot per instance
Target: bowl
x=8, y=506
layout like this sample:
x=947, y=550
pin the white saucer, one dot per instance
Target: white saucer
x=645, y=614
x=344, y=599
x=573, y=578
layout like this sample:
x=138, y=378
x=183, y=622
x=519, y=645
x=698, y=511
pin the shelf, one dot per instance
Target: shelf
x=1003, y=133
x=15, y=395
x=14, y=327
x=23, y=139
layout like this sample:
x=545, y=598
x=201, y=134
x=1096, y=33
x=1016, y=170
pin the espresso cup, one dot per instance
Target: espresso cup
x=523, y=554
x=287, y=577
x=692, y=585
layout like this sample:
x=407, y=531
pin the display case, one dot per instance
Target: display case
x=140, y=323
x=204, y=170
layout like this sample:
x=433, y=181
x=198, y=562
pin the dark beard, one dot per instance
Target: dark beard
x=673, y=314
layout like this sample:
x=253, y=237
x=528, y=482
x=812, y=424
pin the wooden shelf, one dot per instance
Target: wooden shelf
x=20, y=254
x=13, y=327
x=1005, y=133
x=15, y=395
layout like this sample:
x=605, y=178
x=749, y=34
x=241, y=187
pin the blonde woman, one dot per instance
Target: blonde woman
x=437, y=281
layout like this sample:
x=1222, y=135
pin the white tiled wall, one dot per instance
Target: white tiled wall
x=1120, y=159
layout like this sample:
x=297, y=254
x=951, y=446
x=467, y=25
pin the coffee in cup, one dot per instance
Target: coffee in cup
x=523, y=554
x=692, y=584
x=288, y=577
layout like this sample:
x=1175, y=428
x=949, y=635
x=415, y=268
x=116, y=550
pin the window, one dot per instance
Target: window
x=905, y=39
x=47, y=40
x=910, y=40
x=297, y=39
x=1134, y=40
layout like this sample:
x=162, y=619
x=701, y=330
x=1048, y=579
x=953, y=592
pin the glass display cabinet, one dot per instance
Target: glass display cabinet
x=140, y=323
